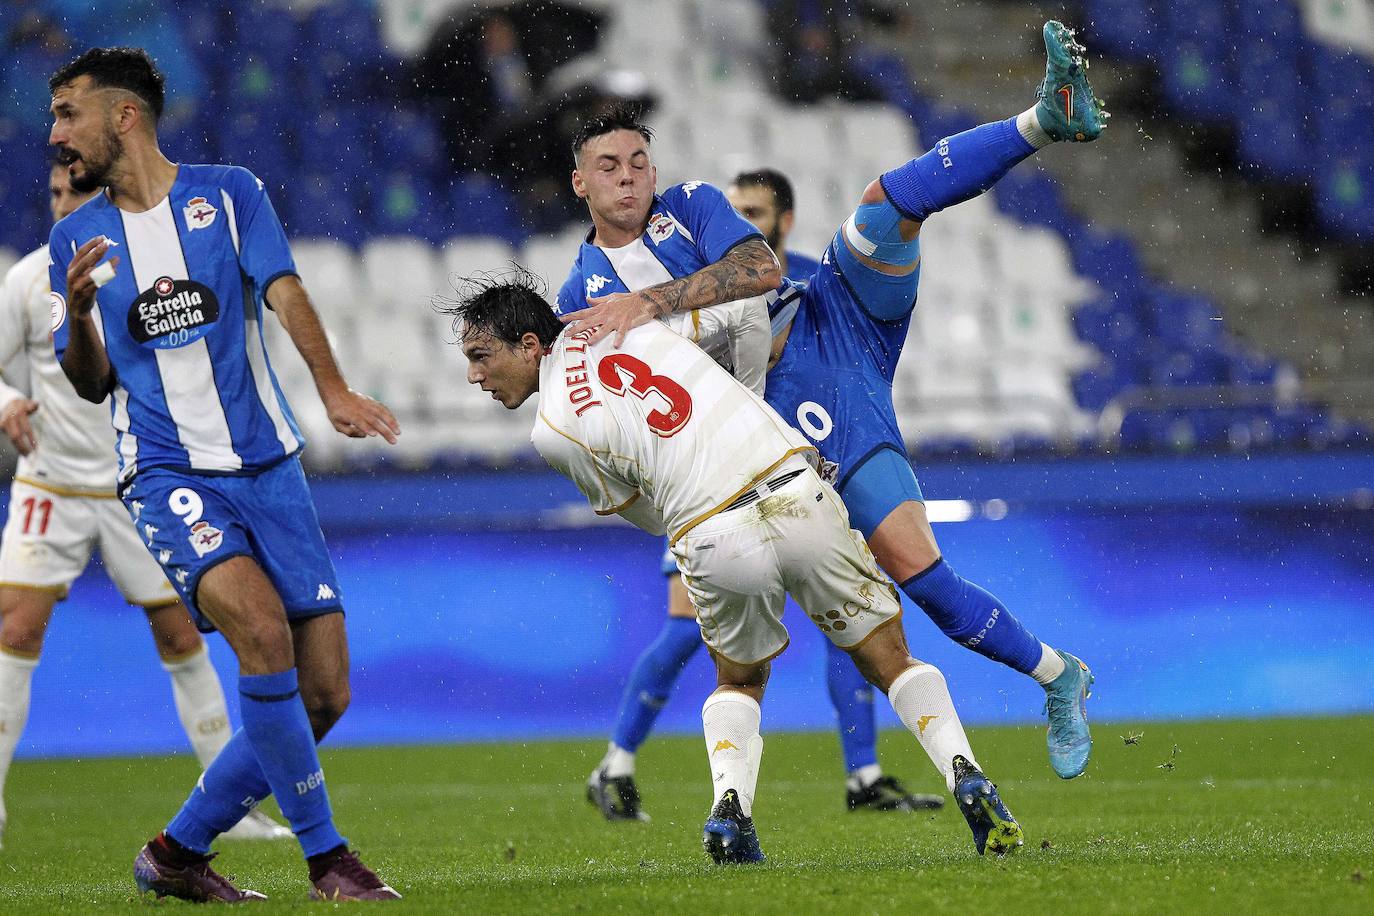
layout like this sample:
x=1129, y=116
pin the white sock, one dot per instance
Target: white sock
x=16, y=675
x=730, y=721
x=864, y=776
x=199, y=700
x=921, y=700
x=1050, y=667
x=617, y=762
x=1029, y=125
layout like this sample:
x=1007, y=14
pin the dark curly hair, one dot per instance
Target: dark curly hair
x=621, y=117
x=130, y=69
x=504, y=305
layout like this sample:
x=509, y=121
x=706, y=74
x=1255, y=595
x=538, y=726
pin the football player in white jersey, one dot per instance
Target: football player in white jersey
x=62, y=506
x=655, y=431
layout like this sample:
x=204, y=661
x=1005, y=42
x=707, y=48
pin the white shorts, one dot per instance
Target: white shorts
x=741, y=563
x=49, y=539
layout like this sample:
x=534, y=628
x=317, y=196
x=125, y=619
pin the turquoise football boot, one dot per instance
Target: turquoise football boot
x=1068, y=109
x=1069, y=741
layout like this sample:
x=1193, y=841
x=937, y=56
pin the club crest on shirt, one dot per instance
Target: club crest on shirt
x=199, y=213
x=205, y=538
x=661, y=228
x=58, y=303
x=172, y=313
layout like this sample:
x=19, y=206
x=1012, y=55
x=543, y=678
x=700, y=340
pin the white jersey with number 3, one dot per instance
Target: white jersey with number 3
x=655, y=431
x=75, y=438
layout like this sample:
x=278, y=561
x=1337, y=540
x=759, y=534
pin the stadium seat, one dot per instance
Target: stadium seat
x=400, y=273
x=550, y=258
x=480, y=206
x=465, y=256
x=330, y=271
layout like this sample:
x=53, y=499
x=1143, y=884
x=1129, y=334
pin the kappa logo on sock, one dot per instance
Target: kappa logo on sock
x=725, y=744
x=942, y=150
x=922, y=722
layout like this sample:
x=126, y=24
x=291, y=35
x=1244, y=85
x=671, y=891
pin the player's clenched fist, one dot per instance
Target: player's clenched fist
x=81, y=286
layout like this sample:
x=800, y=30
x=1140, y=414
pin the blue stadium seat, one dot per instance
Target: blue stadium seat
x=404, y=133
x=324, y=205
x=404, y=203
x=481, y=206
x=334, y=139
x=1197, y=78
x=1128, y=29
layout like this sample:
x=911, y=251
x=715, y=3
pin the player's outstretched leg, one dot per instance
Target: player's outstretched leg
x=867, y=788
x=611, y=786
x=730, y=720
x=921, y=700
x=199, y=699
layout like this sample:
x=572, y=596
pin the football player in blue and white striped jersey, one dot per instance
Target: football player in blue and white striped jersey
x=159, y=286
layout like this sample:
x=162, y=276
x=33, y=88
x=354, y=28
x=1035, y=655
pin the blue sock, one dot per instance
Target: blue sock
x=230, y=786
x=278, y=729
x=959, y=168
x=973, y=617
x=853, y=699
x=652, y=681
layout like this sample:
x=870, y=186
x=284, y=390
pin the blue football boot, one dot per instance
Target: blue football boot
x=729, y=836
x=1068, y=109
x=992, y=824
x=1069, y=740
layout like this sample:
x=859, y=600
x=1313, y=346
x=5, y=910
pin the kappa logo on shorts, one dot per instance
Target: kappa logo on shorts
x=325, y=593
x=164, y=557
x=205, y=538
x=181, y=576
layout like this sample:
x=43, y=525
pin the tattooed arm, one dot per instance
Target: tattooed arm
x=748, y=269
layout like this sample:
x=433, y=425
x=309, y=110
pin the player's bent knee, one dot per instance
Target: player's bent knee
x=21, y=639
x=884, y=656
x=326, y=706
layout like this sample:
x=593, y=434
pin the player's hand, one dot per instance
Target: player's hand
x=14, y=420
x=617, y=312
x=80, y=287
x=358, y=416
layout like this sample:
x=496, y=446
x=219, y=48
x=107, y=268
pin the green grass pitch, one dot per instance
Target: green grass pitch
x=1244, y=817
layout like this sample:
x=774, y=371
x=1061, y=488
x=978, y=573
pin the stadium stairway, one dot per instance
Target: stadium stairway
x=1204, y=235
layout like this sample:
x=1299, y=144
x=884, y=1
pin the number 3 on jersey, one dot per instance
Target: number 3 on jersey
x=621, y=372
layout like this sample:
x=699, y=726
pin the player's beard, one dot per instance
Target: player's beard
x=99, y=162
x=774, y=238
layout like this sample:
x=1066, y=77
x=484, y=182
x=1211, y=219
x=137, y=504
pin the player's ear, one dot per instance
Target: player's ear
x=530, y=344
x=579, y=184
x=785, y=222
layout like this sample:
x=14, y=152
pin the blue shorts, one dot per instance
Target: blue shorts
x=193, y=522
x=880, y=484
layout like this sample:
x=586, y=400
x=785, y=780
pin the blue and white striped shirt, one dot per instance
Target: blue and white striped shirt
x=182, y=323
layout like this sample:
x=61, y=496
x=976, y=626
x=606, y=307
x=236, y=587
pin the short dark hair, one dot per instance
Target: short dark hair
x=620, y=117
x=771, y=179
x=130, y=69
x=505, y=305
